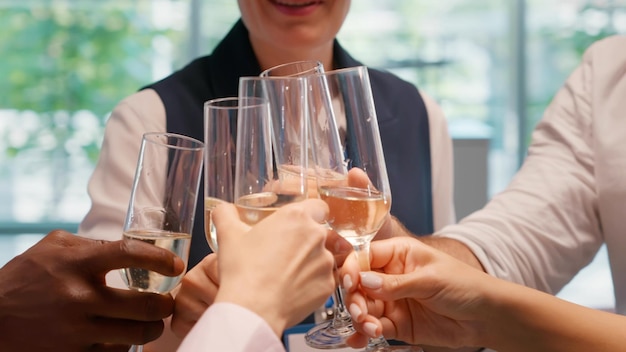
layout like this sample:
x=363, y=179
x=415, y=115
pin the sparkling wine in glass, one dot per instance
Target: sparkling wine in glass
x=286, y=88
x=271, y=161
x=220, y=137
x=162, y=204
x=356, y=189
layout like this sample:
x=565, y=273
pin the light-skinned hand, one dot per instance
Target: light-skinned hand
x=414, y=293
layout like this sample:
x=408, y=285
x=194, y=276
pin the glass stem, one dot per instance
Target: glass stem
x=341, y=319
x=362, y=250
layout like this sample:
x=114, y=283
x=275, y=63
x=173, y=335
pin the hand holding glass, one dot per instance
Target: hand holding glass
x=162, y=204
x=356, y=190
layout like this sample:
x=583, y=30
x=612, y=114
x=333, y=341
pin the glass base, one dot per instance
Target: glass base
x=380, y=344
x=394, y=349
x=327, y=336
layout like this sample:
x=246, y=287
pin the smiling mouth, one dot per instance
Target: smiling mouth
x=296, y=4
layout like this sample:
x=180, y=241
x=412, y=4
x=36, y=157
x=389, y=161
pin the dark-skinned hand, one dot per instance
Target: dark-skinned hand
x=53, y=297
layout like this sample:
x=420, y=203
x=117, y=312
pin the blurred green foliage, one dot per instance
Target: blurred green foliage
x=62, y=57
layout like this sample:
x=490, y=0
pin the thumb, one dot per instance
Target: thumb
x=358, y=178
x=389, y=287
x=316, y=208
x=227, y=223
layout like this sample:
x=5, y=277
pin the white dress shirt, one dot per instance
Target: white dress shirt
x=570, y=195
x=229, y=327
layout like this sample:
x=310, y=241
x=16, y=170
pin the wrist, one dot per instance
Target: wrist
x=495, y=316
x=259, y=303
x=453, y=248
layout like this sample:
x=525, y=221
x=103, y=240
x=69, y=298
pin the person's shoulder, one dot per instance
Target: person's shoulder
x=614, y=42
x=607, y=50
x=605, y=59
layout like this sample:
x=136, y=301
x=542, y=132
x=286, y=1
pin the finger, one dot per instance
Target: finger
x=338, y=246
x=388, y=328
x=349, y=272
x=370, y=326
x=132, y=305
x=357, y=306
x=316, y=208
x=211, y=270
x=309, y=212
x=99, y=256
x=357, y=340
x=358, y=178
x=187, y=310
x=103, y=256
x=181, y=327
x=391, y=251
x=67, y=239
x=227, y=222
x=196, y=294
x=124, y=332
x=389, y=287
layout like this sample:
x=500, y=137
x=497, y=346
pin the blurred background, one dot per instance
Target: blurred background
x=493, y=66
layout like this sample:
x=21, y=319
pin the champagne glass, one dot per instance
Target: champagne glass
x=356, y=190
x=162, y=204
x=333, y=334
x=220, y=133
x=271, y=163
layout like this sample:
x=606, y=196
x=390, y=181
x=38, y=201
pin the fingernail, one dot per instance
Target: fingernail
x=370, y=329
x=355, y=312
x=372, y=281
x=347, y=282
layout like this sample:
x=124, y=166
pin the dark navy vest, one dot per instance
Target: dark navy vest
x=401, y=113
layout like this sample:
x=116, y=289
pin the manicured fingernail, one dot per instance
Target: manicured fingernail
x=370, y=329
x=355, y=312
x=370, y=280
x=347, y=282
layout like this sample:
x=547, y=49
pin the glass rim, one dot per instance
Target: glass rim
x=274, y=78
x=342, y=70
x=153, y=138
x=317, y=63
x=248, y=102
